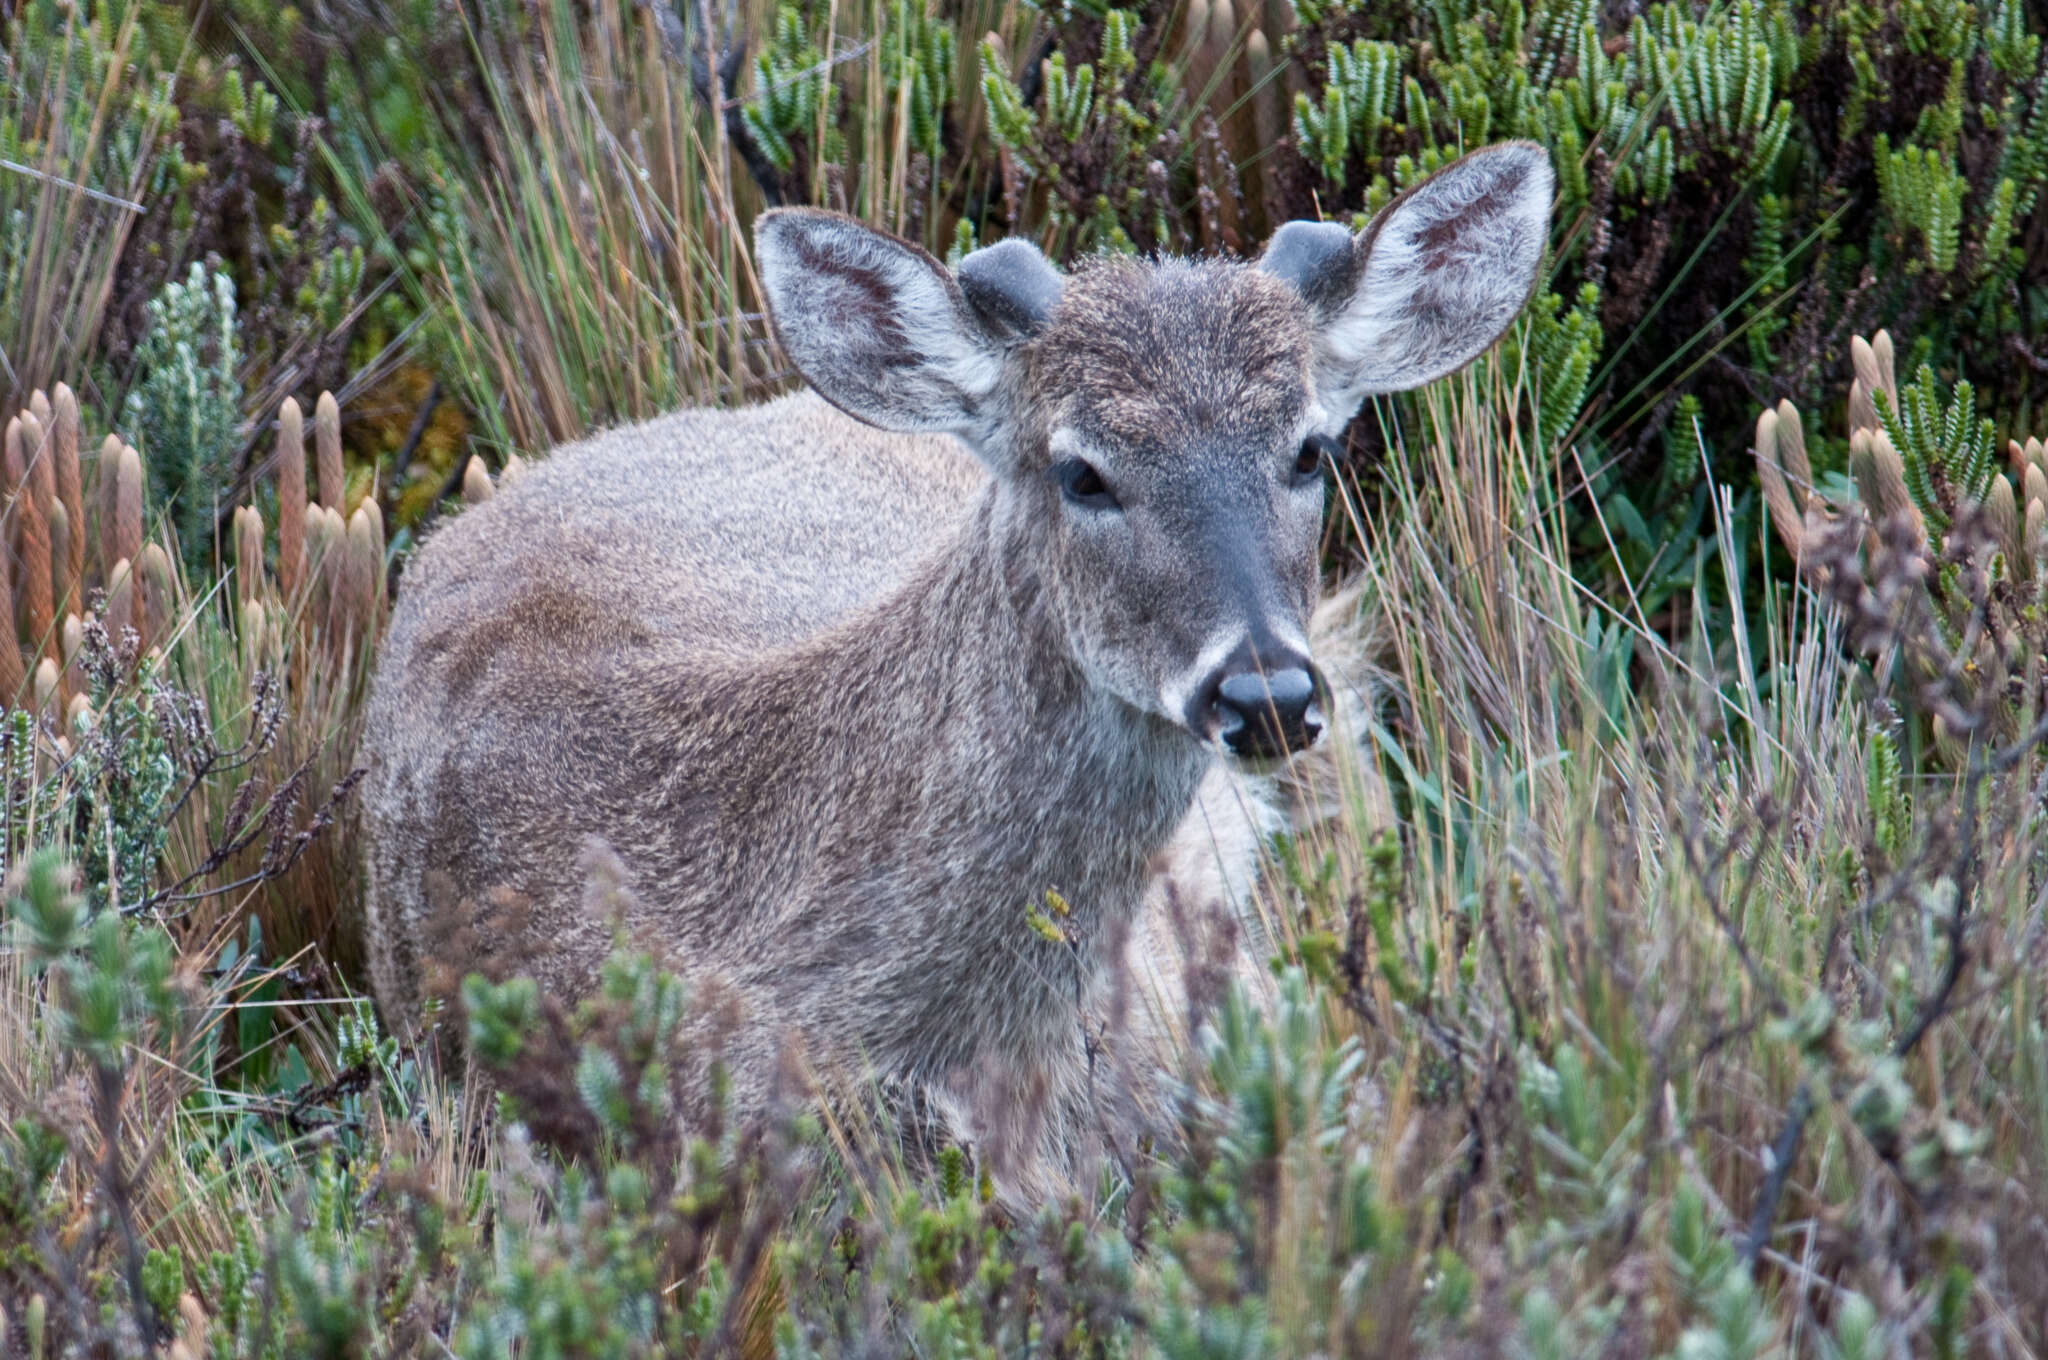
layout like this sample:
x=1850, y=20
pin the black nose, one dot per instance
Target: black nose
x=1268, y=713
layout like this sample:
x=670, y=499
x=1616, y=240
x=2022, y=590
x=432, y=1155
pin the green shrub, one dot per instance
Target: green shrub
x=186, y=405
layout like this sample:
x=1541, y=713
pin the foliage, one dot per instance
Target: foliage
x=1964, y=563
x=1487, y=1104
x=84, y=138
x=186, y=403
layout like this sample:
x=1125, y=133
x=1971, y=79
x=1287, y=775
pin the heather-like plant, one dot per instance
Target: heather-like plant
x=186, y=404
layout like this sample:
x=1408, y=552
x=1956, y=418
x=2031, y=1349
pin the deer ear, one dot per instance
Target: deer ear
x=1011, y=287
x=877, y=325
x=1430, y=284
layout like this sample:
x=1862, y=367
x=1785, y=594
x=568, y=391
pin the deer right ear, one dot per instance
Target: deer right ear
x=877, y=325
x=1430, y=284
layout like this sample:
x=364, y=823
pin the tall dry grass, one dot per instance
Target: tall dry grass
x=1654, y=946
x=84, y=138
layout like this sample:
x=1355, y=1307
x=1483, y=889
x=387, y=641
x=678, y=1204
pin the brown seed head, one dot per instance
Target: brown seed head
x=32, y=543
x=106, y=482
x=11, y=467
x=476, y=481
x=1880, y=478
x=120, y=601
x=365, y=559
x=291, y=498
x=13, y=675
x=159, y=594
x=327, y=444
x=42, y=472
x=70, y=480
x=2003, y=512
x=1887, y=376
x=1783, y=505
x=325, y=536
x=47, y=679
x=128, y=505
x=1872, y=360
x=1792, y=450
x=373, y=515
x=73, y=636
x=249, y=551
x=255, y=641
x=63, y=589
x=1862, y=413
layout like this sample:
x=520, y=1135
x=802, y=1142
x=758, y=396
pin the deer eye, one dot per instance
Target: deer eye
x=1081, y=484
x=1316, y=451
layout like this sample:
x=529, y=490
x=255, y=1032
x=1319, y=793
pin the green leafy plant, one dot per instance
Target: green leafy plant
x=186, y=405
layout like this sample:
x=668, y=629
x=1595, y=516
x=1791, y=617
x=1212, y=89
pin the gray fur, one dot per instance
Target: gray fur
x=1011, y=288
x=1319, y=260
x=845, y=705
x=1443, y=270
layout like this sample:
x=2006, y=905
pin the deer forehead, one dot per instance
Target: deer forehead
x=1162, y=357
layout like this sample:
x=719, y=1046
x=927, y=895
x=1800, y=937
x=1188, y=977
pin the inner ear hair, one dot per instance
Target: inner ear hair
x=1433, y=281
x=880, y=328
x=1011, y=287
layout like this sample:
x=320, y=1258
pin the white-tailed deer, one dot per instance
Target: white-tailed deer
x=848, y=705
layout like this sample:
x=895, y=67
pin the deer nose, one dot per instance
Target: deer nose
x=1268, y=713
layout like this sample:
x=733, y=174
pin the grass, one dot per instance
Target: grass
x=1636, y=1031
x=79, y=147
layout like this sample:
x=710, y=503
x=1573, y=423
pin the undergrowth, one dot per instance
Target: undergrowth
x=1697, y=1016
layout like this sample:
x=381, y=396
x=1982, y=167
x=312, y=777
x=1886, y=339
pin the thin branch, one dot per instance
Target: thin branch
x=94, y=194
x=1783, y=1151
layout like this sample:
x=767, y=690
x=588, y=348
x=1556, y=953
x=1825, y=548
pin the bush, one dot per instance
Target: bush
x=186, y=405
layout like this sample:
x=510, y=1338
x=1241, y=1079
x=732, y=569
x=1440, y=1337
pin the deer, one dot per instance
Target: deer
x=849, y=688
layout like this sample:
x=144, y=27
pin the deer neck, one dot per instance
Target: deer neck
x=975, y=693
x=988, y=817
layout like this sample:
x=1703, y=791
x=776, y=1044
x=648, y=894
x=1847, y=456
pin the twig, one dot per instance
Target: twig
x=1782, y=1152
x=107, y=1088
x=840, y=58
x=1981, y=766
x=94, y=194
x=413, y=436
x=675, y=39
x=354, y=1078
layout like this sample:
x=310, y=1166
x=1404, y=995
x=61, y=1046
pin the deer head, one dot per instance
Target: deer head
x=1157, y=431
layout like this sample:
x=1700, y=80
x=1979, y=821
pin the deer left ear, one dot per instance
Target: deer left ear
x=877, y=325
x=1430, y=284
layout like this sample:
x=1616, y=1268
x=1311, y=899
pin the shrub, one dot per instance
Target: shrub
x=186, y=404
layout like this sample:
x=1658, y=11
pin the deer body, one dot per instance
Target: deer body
x=580, y=665
x=846, y=705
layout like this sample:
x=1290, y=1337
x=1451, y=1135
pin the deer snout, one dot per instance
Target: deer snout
x=1266, y=712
